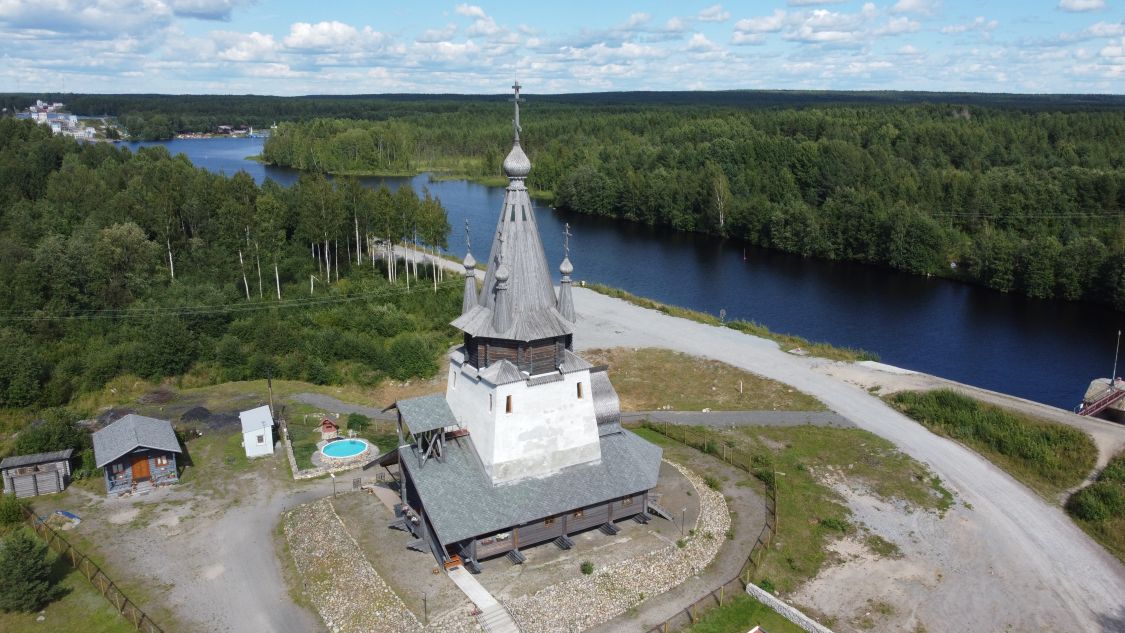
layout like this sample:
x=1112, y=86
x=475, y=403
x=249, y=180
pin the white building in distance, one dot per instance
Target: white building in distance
x=257, y=431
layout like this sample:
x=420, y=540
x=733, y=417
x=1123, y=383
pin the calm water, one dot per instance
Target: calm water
x=1041, y=350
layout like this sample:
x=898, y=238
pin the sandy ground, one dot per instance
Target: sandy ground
x=1012, y=548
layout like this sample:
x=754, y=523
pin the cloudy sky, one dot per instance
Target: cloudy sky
x=286, y=48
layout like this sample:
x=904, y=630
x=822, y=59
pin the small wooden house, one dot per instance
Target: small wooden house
x=137, y=453
x=257, y=431
x=38, y=474
x=329, y=430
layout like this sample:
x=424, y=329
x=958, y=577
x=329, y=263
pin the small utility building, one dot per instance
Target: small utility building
x=38, y=474
x=137, y=453
x=257, y=431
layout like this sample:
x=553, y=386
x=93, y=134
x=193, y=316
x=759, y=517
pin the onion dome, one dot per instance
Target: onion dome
x=566, y=267
x=517, y=164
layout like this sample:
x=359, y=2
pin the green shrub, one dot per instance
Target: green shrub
x=1101, y=501
x=839, y=525
x=358, y=422
x=712, y=482
x=11, y=509
x=587, y=567
x=765, y=585
x=25, y=574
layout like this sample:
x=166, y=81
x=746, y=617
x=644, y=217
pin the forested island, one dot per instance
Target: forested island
x=118, y=264
x=1016, y=201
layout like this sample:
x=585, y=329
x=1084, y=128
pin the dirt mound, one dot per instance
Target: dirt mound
x=196, y=414
x=203, y=417
x=161, y=395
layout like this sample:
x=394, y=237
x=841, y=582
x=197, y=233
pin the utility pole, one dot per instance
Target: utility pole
x=1113, y=376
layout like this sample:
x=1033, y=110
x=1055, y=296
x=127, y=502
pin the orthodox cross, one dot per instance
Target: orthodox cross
x=516, y=100
x=500, y=250
x=566, y=240
x=468, y=239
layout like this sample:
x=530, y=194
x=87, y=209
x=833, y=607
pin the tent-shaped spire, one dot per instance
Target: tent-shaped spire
x=528, y=303
x=469, y=301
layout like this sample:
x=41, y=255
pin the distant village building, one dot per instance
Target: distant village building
x=38, y=474
x=136, y=454
x=526, y=445
x=257, y=431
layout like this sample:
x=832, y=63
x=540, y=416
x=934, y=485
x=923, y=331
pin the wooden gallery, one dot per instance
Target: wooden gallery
x=525, y=446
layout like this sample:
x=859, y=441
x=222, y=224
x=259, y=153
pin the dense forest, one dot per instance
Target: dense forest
x=1030, y=202
x=115, y=263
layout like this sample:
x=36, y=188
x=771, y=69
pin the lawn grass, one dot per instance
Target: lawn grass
x=1048, y=457
x=81, y=608
x=801, y=461
x=741, y=614
x=788, y=342
x=690, y=383
x=1099, y=508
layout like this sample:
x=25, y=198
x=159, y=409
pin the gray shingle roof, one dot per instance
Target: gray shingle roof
x=502, y=372
x=462, y=502
x=16, y=461
x=256, y=419
x=426, y=413
x=130, y=432
x=531, y=294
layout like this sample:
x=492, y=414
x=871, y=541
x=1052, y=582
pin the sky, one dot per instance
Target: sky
x=425, y=46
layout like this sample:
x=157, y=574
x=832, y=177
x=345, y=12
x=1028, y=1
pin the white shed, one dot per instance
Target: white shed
x=257, y=431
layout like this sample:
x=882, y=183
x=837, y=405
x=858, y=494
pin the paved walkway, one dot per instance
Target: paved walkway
x=742, y=418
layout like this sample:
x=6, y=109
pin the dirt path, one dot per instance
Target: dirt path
x=1019, y=551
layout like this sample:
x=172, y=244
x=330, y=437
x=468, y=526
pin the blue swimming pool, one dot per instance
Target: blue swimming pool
x=341, y=449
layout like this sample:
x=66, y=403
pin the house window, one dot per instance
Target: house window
x=118, y=470
x=627, y=501
x=549, y=522
x=161, y=461
x=508, y=405
x=579, y=391
x=578, y=514
x=261, y=439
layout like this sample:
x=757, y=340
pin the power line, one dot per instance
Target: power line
x=203, y=310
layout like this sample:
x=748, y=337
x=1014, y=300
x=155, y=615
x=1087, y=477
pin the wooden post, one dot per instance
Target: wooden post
x=722, y=591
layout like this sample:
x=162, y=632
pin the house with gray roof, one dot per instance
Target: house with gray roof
x=525, y=446
x=137, y=453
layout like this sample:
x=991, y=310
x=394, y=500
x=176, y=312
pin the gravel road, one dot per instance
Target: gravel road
x=1026, y=565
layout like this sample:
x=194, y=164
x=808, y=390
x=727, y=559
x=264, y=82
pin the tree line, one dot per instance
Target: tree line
x=1019, y=201
x=118, y=263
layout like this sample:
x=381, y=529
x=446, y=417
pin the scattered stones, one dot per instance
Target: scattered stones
x=586, y=601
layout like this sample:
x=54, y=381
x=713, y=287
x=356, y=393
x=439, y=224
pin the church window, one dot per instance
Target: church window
x=490, y=402
x=549, y=522
x=508, y=405
x=579, y=391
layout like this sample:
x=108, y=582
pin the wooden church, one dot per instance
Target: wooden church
x=525, y=446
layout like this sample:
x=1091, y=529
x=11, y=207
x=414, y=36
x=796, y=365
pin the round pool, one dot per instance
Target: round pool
x=342, y=449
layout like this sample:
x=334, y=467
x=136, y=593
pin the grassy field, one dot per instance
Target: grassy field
x=81, y=608
x=1100, y=508
x=801, y=461
x=690, y=383
x=740, y=615
x=788, y=342
x=1046, y=456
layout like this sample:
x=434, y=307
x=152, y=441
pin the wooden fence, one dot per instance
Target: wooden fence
x=128, y=610
x=736, y=585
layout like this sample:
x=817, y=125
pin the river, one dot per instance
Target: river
x=1045, y=351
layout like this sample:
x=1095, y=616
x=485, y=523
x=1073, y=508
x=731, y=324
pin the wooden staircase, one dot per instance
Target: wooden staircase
x=1109, y=397
x=496, y=619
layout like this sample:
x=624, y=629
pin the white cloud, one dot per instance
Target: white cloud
x=897, y=26
x=437, y=35
x=204, y=9
x=700, y=43
x=925, y=7
x=637, y=20
x=244, y=47
x=979, y=23
x=78, y=18
x=764, y=24
x=1081, y=5
x=908, y=49
x=331, y=36
x=713, y=13
x=471, y=11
